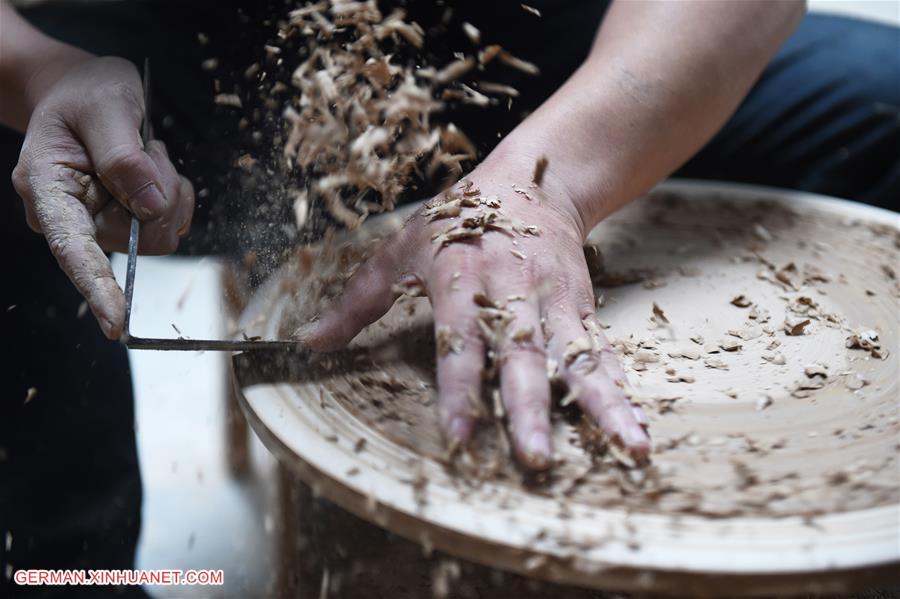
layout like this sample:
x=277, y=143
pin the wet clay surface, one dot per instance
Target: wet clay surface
x=746, y=418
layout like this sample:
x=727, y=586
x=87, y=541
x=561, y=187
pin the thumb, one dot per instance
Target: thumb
x=367, y=295
x=111, y=135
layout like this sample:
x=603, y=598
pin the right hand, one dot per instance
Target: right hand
x=85, y=127
x=541, y=280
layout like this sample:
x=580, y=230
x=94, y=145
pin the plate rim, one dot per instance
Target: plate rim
x=624, y=576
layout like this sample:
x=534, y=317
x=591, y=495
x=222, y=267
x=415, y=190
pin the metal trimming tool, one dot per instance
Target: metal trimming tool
x=134, y=342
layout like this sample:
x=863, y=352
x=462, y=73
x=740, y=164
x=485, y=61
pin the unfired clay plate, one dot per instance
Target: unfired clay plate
x=775, y=466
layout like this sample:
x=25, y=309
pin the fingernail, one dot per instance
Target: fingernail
x=637, y=436
x=538, y=449
x=639, y=415
x=109, y=329
x=148, y=202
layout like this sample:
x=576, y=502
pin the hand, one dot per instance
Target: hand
x=86, y=121
x=543, y=305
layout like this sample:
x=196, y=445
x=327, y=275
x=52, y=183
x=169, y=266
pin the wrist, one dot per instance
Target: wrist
x=42, y=75
x=509, y=164
x=30, y=62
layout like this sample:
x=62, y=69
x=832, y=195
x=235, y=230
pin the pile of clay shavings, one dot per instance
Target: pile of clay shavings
x=361, y=124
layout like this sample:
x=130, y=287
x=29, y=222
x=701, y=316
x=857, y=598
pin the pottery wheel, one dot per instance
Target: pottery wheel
x=772, y=392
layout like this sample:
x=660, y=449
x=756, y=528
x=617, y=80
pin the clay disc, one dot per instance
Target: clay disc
x=775, y=464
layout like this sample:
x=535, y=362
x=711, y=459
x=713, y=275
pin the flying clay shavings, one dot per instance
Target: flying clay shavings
x=361, y=121
x=472, y=32
x=231, y=100
x=540, y=166
x=658, y=317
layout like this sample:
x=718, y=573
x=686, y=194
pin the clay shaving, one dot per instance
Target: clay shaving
x=362, y=121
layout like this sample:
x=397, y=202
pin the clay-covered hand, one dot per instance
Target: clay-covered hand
x=505, y=271
x=85, y=126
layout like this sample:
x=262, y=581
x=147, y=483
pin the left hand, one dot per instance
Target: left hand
x=84, y=128
x=542, y=280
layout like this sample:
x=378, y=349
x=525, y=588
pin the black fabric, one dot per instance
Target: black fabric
x=70, y=493
x=824, y=117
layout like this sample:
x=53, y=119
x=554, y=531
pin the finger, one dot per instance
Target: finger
x=525, y=387
x=94, y=196
x=613, y=366
x=186, y=206
x=460, y=358
x=114, y=222
x=110, y=133
x=113, y=226
x=23, y=181
x=31, y=218
x=588, y=364
x=161, y=235
x=67, y=225
x=368, y=294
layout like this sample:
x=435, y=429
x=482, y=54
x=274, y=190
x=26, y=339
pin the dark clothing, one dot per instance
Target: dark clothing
x=70, y=493
x=825, y=117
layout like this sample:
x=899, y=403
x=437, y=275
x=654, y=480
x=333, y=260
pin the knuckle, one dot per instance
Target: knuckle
x=461, y=262
x=525, y=352
x=186, y=190
x=528, y=405
x=377, y=267
x=64, y=244
x=355, y=315
x=33, y=222
x=584, y=299
x=455, y=389
x=468, y=330
x=458, y=404
x=471, y=332
x=609, y=359
x=585, y=364
x=465, y=277
x=587, y=308
x=463, y=366
x=556, y=290
x=126, y=94
x=119, y=160
x=21, y=179
x=391, y=251
x=156, y=146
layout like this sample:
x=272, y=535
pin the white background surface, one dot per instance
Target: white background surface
x=196, y=514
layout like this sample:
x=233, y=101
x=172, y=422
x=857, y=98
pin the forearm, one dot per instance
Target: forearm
x=661, y=79
x=29, y=62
